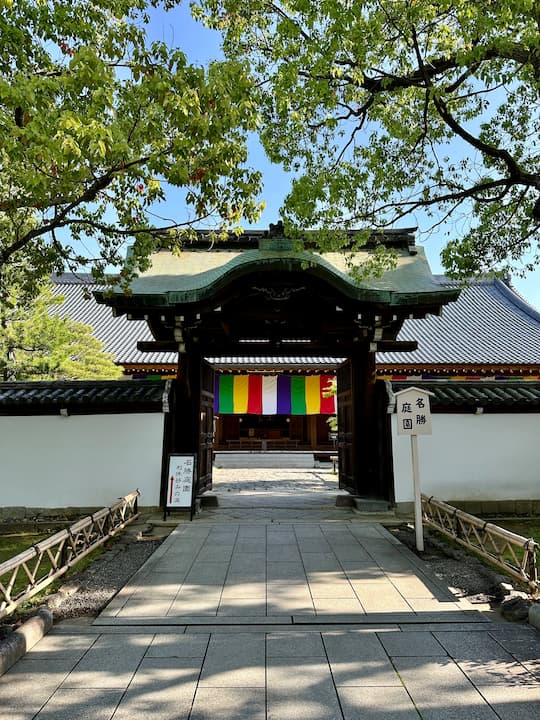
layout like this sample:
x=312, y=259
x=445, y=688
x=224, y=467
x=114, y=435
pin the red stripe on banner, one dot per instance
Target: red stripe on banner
x=255, y=403
x=328, y=404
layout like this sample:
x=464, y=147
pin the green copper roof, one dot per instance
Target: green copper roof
x=195, y=276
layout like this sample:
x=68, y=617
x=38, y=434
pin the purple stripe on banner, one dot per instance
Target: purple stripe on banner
x=216, y=393
x=284, y=394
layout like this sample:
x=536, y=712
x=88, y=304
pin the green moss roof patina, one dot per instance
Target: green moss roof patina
x=197, y=275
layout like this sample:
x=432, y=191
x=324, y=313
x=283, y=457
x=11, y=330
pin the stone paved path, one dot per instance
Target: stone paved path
x=319, y=618
x=276, y=489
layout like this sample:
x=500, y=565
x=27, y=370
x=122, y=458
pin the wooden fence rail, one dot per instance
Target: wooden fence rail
x=29, y=572
x=515, y=554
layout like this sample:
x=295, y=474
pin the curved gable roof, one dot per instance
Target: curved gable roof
x=194, y=276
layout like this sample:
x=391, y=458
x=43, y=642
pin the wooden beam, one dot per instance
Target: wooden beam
x=397, y=346
x=276, y=350
x=157, y=346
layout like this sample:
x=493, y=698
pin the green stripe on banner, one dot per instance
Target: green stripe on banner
x=226, y=385
x=298, y=395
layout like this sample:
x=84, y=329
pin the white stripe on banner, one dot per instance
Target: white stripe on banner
x=269, y=395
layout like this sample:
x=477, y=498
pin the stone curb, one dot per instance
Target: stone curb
x=15, y=645
x=534, y=615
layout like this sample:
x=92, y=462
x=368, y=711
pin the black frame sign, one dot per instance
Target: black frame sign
x=180, y=482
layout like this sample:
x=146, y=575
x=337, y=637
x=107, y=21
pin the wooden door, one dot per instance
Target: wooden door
x=345, y=438
x=206, y=429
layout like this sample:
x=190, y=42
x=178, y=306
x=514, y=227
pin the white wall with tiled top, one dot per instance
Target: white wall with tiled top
x=82, y=460
x=472, y=457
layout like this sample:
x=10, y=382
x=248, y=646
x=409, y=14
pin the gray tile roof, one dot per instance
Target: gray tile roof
x=119, y=334
x=513, y=395
x=489, y=324
x=81, y=396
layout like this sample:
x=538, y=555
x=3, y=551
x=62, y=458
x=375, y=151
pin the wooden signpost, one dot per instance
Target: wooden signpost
x=414, y=418
x=180, y=483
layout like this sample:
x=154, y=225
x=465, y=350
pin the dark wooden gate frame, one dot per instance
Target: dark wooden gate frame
x=364, y=431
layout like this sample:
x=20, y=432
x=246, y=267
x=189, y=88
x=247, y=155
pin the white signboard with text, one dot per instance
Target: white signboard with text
x=413, y=412
x=180, y=481
x=413, y=419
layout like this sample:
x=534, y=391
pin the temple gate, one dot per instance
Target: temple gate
x=261, y=294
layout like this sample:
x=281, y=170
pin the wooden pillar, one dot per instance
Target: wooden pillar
x=364, y=465
x=188, y=394
x=365, y=455
x=192, y=424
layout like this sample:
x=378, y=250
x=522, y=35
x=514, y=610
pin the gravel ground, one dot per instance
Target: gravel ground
x=467, y=576
x=88, y=592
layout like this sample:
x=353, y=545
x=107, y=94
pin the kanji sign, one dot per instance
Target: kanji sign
x=180, y=481
x=413, y=412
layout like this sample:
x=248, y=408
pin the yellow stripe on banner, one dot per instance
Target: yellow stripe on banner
x=240, y=394
x=313, y=395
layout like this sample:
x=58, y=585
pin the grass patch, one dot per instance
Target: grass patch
x=12, y=543
x=15, y=543
x=529, y=528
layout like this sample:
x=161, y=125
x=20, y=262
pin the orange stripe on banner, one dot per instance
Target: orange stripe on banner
x=255, y=395
x=240, y=394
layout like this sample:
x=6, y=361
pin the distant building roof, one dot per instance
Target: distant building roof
x=489, y=324
x=119, y=334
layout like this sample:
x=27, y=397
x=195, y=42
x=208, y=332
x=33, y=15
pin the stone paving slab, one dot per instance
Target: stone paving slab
x=316, y=672
x=300, y=688
x=234, y=661
x=304, y=645
x=236, y=703
x=287, y=674
x=441, y=691
x=377, y=703
x=517, y=703
x=82, y=704
x=293, y=569
x=161, y=688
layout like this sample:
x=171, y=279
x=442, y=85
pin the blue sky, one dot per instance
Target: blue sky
x=177, y=28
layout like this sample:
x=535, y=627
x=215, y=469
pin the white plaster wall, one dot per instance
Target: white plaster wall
x=82, y=460
x=472, y=457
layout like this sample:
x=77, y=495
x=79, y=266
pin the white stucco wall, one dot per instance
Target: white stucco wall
x=82, y=460
x=472, y=457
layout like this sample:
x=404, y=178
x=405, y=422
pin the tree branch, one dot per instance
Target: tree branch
x=516, y=173
x=90, y=193
x=457, y=197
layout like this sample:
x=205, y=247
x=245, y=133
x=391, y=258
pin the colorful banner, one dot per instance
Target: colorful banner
x=269, y=395
x=274, y=395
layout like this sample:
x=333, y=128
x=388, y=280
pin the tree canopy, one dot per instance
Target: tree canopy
x=98, y=124
x=36, y=343
x=386, y=110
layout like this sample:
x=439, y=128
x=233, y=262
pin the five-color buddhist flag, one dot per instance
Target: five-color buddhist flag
x=275, y=395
